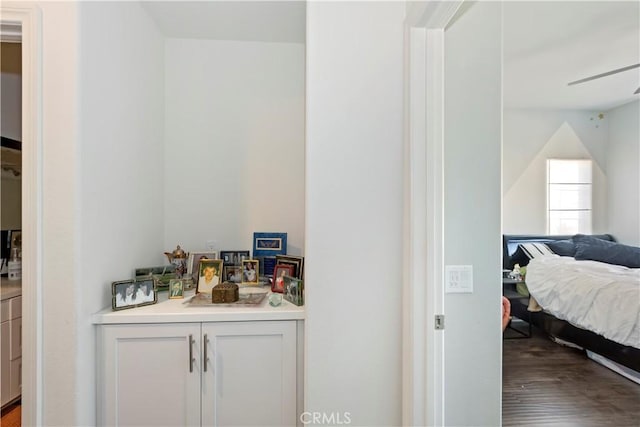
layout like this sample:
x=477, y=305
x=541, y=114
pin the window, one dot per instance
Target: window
x=569, y=196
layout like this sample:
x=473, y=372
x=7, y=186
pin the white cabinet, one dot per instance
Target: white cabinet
x=10, y=350
x=191, y=374
x=147, y=377
x=250, y=377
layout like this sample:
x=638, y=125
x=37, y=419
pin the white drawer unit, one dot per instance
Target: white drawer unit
x=10, y=350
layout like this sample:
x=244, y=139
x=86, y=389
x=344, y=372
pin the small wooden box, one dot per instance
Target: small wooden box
x=225, y=293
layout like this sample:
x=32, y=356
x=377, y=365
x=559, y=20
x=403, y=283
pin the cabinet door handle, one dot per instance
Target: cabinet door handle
x=191, y=359
x=206, y=340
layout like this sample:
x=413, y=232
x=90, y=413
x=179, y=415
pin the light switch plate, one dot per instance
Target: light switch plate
x=458, y=279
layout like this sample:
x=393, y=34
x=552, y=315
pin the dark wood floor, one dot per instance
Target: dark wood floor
x=546, y=384
x=11, y=416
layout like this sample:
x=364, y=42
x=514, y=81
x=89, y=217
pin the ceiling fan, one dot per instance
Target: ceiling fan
x=608, y=73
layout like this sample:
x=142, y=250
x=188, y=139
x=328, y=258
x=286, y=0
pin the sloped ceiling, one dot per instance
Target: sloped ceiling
x=549, y=44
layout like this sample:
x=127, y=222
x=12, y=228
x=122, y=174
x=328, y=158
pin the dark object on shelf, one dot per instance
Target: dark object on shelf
x=225, y=293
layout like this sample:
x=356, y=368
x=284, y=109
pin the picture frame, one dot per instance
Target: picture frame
x=133, y=293
x=250, y=272
x=232, y=273
x=188, y=283
x=161, y=275
x=209, y=272
x=176, y=289
x=293, y=290
x=234, y=257
x=194, y=261
x=279, y=272
x=269, y=244
x=267, y=264
x=296, y=261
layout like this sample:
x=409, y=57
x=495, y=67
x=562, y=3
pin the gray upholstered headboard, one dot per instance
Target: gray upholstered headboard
x=510, y=243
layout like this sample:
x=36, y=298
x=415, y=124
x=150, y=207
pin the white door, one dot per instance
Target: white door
x=250, y=374
x=472, y=163
x=454, y=135
x=150, y=375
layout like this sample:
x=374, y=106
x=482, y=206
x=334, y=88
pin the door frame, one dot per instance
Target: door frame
x=423, y=297
x=29, y=16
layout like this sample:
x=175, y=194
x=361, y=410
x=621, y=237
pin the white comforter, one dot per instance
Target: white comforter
x=602, y=298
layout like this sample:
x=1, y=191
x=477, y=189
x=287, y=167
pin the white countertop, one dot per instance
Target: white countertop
x=10, y=288
x=179, y=311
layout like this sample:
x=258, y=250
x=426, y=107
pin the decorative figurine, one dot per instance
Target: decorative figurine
x=178, y=258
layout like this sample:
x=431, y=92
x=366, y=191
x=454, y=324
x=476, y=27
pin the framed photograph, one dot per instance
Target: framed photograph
x=209, y=272
x=267, y=264
x=176, y=289
x=194, y=260
x=188, y=283
x=234, y=257
x=232, y=273
x=296, y=261
x=279, y=273
x=269, y=244
x=133, y=293
x=293, y=290
x=161, y=275
x=250, y=269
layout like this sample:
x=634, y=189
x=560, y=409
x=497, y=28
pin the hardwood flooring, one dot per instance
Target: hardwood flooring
x=11, y=415
x=546, y=384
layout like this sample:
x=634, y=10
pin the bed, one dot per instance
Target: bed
x=591, y=304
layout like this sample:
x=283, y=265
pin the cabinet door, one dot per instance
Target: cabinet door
x=16, y=338
x=250, y=376
x=148, y=377
x=16, y=378
x=5, y=363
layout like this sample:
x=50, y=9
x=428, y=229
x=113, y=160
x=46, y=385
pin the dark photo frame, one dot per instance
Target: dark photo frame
x=293, y=290
x=296, y=261
x=133, y=293
x=234, y=257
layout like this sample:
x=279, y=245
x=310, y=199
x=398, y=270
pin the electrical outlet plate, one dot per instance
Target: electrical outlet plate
x=458, y=279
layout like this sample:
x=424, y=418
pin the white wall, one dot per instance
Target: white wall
x=472, y=199
x=121, y=157
x=624, y=173
x=234, y=143
x=530, y=138
x=59, y=179
x=354, y=199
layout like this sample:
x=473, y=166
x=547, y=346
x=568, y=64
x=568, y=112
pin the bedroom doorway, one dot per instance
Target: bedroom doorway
x=568, y=100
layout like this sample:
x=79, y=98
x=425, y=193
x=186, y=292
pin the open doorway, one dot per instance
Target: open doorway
x=570, y=166
x=11, y=222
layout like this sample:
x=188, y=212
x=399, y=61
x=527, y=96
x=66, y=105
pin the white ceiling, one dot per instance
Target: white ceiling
x=265, y=21
x=549, y=44
x=546, y=44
